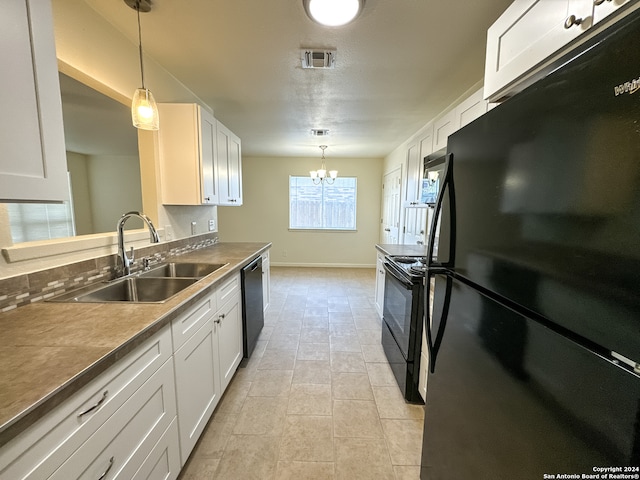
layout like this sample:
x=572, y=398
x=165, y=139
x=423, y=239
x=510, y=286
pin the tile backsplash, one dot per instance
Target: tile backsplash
x=25, y=289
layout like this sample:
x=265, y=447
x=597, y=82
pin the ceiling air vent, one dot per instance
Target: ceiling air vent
x=318, y=58
x=319, y=132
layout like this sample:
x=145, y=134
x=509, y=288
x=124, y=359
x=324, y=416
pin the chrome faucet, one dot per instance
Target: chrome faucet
x=126, y=262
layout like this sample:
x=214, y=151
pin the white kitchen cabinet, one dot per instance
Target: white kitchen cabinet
x=49, y=443
x=227, y=327
x=444, y=126
x=531, y=34
x=413, y=163
x=207, y=358
x=415, y=225
x=229, y=153
x=120, y=447
x=188, y=163
x=266, y=280
x=416, y=151
x=603, y=8
x=197, y=385
x=33, y=165
x=471, y=108
x=163, y=463
x=380, y=275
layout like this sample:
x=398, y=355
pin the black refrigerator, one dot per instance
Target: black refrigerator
x=534, y=328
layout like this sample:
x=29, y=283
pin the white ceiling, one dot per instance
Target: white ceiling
x=398, y=65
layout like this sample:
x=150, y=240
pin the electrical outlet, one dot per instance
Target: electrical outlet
x=168, y=232
x=193, y=228
x=212, y=225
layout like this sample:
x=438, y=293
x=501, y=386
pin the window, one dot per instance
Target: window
x=322, y=207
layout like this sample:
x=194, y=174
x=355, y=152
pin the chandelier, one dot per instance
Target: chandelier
x=319, y=176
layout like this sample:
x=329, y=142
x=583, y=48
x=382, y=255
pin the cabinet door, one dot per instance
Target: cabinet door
x=228, y=330
x=266, y=280
x=229, y=166
x=527, y=33
x=471, y=108
x=442, y=128
x=208, y=155
x=33, y=163
x=606, y=8
x=163, y=463
x=379, y=296
x=197, y=386
x=414, y=174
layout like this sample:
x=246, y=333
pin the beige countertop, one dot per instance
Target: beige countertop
x=48, y=351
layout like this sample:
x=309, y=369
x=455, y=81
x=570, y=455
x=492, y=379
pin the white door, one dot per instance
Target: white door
x=391, y=207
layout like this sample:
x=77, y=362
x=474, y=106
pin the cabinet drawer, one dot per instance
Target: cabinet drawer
x=227, y=288
x=183, y=327
x=122, y=444
x=42, y=448
x=164, y=460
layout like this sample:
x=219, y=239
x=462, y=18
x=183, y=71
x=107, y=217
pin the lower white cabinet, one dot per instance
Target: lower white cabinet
x=140, y=418
x=198, y=386
x=51, y=442
x=207, y=360
x=227, y=328
x=266, y=280
x=380, y=274
x=119, y=447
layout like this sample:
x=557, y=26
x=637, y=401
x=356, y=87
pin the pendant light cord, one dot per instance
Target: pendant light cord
x=140, y=42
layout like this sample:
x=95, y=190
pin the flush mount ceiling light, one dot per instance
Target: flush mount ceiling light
x=333, y=13
x=144, y=111
x=319, y=176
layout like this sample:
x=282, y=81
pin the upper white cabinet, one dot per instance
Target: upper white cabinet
x=471, y=108
x=33, y=164
x=443, y=126
x=416, y=151
x=229, y=166
x=530, y=33
x=187, y=140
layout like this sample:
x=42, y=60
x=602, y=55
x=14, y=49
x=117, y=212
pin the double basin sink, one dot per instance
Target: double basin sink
x=153, y=286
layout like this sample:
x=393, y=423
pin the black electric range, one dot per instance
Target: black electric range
x=402, y=325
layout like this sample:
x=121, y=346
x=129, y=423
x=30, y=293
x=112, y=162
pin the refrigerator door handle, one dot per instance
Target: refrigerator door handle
x=447, y=186
x=433, y=343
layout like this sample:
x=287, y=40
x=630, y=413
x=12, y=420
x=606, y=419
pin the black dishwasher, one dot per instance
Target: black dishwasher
x=252, y=307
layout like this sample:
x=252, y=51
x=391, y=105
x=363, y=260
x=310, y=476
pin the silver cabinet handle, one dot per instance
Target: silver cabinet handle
x=571, y=21
x=207, y=199
x=387, y=229
x=104, y=474
x=96, y=405
x=599, y=2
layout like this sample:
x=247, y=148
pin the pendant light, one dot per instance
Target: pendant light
x=320, y=176
x=144, y=111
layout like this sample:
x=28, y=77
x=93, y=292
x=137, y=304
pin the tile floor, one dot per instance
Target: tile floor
x=317, y=399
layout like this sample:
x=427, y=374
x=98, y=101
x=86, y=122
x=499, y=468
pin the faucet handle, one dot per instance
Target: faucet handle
x=131, y=258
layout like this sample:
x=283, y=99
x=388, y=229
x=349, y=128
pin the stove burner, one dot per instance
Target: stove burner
x=421, y=270
x=404, y=259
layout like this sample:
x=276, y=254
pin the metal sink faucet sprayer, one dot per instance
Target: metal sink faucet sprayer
x=126, y=262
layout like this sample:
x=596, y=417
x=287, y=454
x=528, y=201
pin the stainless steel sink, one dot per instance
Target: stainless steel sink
x=130, y=289
x=187, y=270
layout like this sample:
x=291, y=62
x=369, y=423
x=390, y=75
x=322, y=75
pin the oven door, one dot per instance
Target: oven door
x=400, y=307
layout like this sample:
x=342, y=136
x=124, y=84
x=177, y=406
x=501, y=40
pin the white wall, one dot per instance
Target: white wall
x=264, y=215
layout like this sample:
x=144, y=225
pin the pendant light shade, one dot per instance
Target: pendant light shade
x=144, y=111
